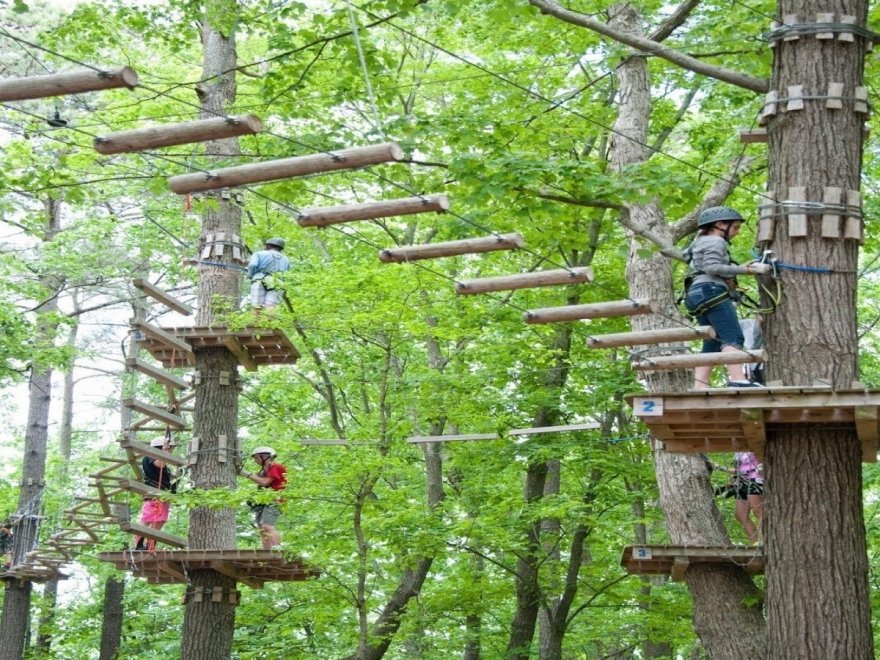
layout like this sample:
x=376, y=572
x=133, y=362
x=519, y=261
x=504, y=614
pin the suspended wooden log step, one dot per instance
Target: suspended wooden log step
x=417, y=439
x=157, y=374
x=334, y=215
x=143, y=449
x=203, y=130
x=257, y=346
x=452, y=248
x=647, y=337
x=691, y=360
x=153, y=412
x=256, y=566
x=154, y=335
x=558, y=277
x=162, y=296
x=71, y=82
x=140, y=488
x=540, y=430
x=329, y=442
x=674, y=560
x=285, y=168
x=533, y=430
x=738, y=419
x=598, y=310
x=153, y=534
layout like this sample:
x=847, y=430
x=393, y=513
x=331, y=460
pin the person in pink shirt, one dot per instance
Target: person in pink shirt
x=749, y=493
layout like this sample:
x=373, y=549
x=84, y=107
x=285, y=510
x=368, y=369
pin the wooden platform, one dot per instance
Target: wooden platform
x=674, y=560
x=737, y=419
x=252, y=346
x=32, y=572
x=251, y=567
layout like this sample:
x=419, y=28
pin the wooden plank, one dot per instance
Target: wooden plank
x=159, y=335
x=153, y=452
x=169, y=568
x=867, y=431
x=71, y=82
x=537, y=430
x=831, y=221
x=163, y=416
x=162, y=296
x=155, y=534
x=334, y=215
x=157, y=374
x=751, y=136
x=671, y=362
x=153, y=137
x=557, y=277
x=229, y=571
x=451, y=248
x=647, y=337
x=334, y=441
x=132, y=486
x=600, y=310
x=235, y=347
x=285, y=168
x=452, y=438
x=797, y=220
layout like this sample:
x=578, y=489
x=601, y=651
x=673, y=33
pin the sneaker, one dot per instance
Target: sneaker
x=742, y=383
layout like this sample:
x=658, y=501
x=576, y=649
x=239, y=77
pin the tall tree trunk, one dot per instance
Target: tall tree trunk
x=823, y=612
x=17, y=598
x=111, y=623
x=208, y=626
x=727, y=625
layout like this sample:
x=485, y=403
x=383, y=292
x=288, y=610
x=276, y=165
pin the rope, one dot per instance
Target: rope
x=357, y=42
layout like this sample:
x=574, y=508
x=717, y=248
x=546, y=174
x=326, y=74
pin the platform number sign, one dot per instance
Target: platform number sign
x=641, y=553
x=647, y=406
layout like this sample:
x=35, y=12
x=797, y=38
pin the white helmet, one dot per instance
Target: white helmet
x=264, y=450
x=158, y=441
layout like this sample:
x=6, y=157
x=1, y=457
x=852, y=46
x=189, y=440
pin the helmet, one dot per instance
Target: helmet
x=276, y=241
x=264, y=450
x=158, y=441
x=718, y=214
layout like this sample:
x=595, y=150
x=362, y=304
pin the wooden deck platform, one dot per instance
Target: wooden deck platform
x=674, y=560
x=737, y=419
x=32, y=572
x=252, y=346
x=251, y=567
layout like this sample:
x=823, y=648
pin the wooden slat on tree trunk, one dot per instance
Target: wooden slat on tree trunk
x=558, y=277
x=334, y=215
x=451, y=248
x=185, y=133
x=286, y=168
x=72, y=82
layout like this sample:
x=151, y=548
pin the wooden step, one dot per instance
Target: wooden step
x=153, y=412
x=386, y=208
x=691, y=360
x=162, y=296
x=166, y=135
x=167, y=339
x=599, y=310
x=524, y=281
x=156, y=373
x=451, y=248
x=141, y=488
x=155, y=534
x=647, y=337
x=144, y=449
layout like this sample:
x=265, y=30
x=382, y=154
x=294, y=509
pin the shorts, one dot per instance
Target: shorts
x=260, y=297
x=746, y=487
x=721, y=316
x=266, y=514
x=155, y=511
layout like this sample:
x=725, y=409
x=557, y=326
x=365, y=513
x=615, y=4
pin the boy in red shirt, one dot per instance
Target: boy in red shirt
x=271, y=475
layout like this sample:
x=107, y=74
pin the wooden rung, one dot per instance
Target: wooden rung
x=525, y=281
x=647, y=337
x=334, y=215
x=174, y=343
x=144, y=449
x=156, y=373
x=154, y=534
x=749, y=136
x=71, y=82
x=452, y=438
x=163, y=416
x=316, y=442
x=284, y=168
x=162, y=296
x=452, y=248
x=537, y=430
x=153, y=137
x=591, y=311
x=671, y=362
x=132, y=486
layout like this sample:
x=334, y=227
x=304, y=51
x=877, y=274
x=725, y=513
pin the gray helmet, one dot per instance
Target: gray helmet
x=276, y=241
x=718, y=214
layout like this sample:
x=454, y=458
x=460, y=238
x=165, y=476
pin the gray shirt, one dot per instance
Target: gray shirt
x=710, y=261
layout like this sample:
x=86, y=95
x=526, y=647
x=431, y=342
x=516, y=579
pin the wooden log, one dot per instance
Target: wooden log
x=537, y=430
x=162, y=296
x=285, y=168
x=561, y=276
x=153, y=137
x=154, y=534
x=451, y=248
x=671, y=362
x=591, y=311
x=452, y=438
x=647, y=337
x=157, y=374
x=154, y=412
x=71, y=82
x=334, y=215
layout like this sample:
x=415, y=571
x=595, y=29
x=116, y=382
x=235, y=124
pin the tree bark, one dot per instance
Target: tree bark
x=208, y=626
x=111, y=623
x=814, y=497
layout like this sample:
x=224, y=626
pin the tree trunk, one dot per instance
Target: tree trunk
x=111, y=624
x=208, y=626
x=814, y=497
x=727, y=625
